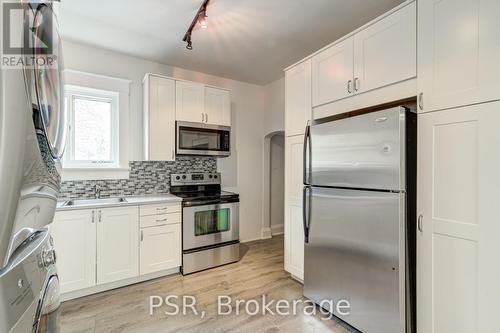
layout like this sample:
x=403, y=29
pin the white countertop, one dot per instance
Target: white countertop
x=130, y=201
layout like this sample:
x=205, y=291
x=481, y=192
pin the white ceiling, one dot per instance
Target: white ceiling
x=246, y=40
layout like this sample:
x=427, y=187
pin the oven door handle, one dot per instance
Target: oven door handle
x=209, y=202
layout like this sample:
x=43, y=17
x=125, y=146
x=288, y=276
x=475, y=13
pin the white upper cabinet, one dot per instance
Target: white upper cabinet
x=217, y=106
x=74, y=234
x=117, y=244
x=459, y=52
x=332, y=73
x=386, y=51
x=298, y=98
x=190, y=102
x=159, y=118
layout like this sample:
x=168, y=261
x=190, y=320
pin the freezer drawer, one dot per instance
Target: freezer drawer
x=365, y=151
x=356, y=252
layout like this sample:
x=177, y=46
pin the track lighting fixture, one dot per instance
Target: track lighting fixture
x=201, y=18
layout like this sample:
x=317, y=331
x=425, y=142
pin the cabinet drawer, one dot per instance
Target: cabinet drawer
x=156, y=220
x=159, y=209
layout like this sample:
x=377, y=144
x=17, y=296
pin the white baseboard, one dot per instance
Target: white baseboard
x=277, y=229
x=266, y=233
x=118, y=284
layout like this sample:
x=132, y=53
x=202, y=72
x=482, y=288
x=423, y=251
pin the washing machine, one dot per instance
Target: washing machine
x=32, y=138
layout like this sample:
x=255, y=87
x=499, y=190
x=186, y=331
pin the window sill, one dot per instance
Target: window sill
x=76, y=174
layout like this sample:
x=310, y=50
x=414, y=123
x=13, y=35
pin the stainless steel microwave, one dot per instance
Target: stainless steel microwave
x=202, y=139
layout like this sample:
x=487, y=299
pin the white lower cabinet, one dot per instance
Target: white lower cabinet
x=117, y=244
x=74, y=234
x=160, y=248
x=101, y=248
x=294, y=231
x=458, y=237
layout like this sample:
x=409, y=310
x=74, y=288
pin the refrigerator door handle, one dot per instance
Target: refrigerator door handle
x=306, y=211
x=307, y=144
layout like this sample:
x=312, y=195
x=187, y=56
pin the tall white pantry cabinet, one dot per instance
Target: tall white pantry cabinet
x=458, y=166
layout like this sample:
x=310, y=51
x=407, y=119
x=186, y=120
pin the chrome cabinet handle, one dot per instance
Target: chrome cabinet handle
x=142, y=235
x=164, y=220
x=161, y=209
x=421, y=101
x=419, y=223
x=202, y=117
x=93, y=216
x=173, y=154
x=356, y=84
x=349, y=86
x=206, y=117
x=99, y=216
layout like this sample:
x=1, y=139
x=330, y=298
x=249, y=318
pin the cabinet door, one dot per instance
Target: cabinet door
x=217, y=106
x=386, y=52
x=160, y=119
x=74, y=234
x=332, y=73
x=458, y=191
x=117, y=244
x=458, y=52
x=160, y=248
x=298, y=98
x=190, y=102
x=294, y=232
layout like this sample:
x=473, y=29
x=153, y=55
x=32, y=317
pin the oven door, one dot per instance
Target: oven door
x=202, y=139
x=210, y=225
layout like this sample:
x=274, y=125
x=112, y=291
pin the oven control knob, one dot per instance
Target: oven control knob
x=210, y=176
x=177, y=177
x=184, y=177
x=216, y=176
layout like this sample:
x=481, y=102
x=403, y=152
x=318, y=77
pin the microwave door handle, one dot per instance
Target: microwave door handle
x=307, y=145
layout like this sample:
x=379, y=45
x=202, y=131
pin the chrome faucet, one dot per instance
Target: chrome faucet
x=97, y=191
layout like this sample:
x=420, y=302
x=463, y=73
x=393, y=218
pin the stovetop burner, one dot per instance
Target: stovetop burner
x=200, y=188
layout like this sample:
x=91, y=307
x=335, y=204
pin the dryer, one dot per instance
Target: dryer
x=32, y=138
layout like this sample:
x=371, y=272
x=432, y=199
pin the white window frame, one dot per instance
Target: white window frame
x=71, y=92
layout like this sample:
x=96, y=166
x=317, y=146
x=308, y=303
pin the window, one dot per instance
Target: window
x=93, y=128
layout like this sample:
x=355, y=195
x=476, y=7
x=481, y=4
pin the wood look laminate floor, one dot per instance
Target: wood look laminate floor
x=260, y=272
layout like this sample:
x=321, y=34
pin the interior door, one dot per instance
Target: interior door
x=332, y=73
x=117, y=244
x=458, y=191
x=356, y=252
x=190, y=102
x=458, y=52
x=386, y=52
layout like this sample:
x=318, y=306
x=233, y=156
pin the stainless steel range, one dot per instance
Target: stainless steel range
x=210, y=221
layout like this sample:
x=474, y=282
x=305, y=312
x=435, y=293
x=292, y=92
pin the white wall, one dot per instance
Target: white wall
x=243, y=171
x=277, y=197
x=274, y=117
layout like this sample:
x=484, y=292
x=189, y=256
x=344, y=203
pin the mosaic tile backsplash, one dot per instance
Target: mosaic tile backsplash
x=145, y=178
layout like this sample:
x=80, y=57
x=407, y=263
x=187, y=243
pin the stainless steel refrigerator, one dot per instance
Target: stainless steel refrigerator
x=359, y=226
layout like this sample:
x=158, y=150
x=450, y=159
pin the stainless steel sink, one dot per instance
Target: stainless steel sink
x=94, y=202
